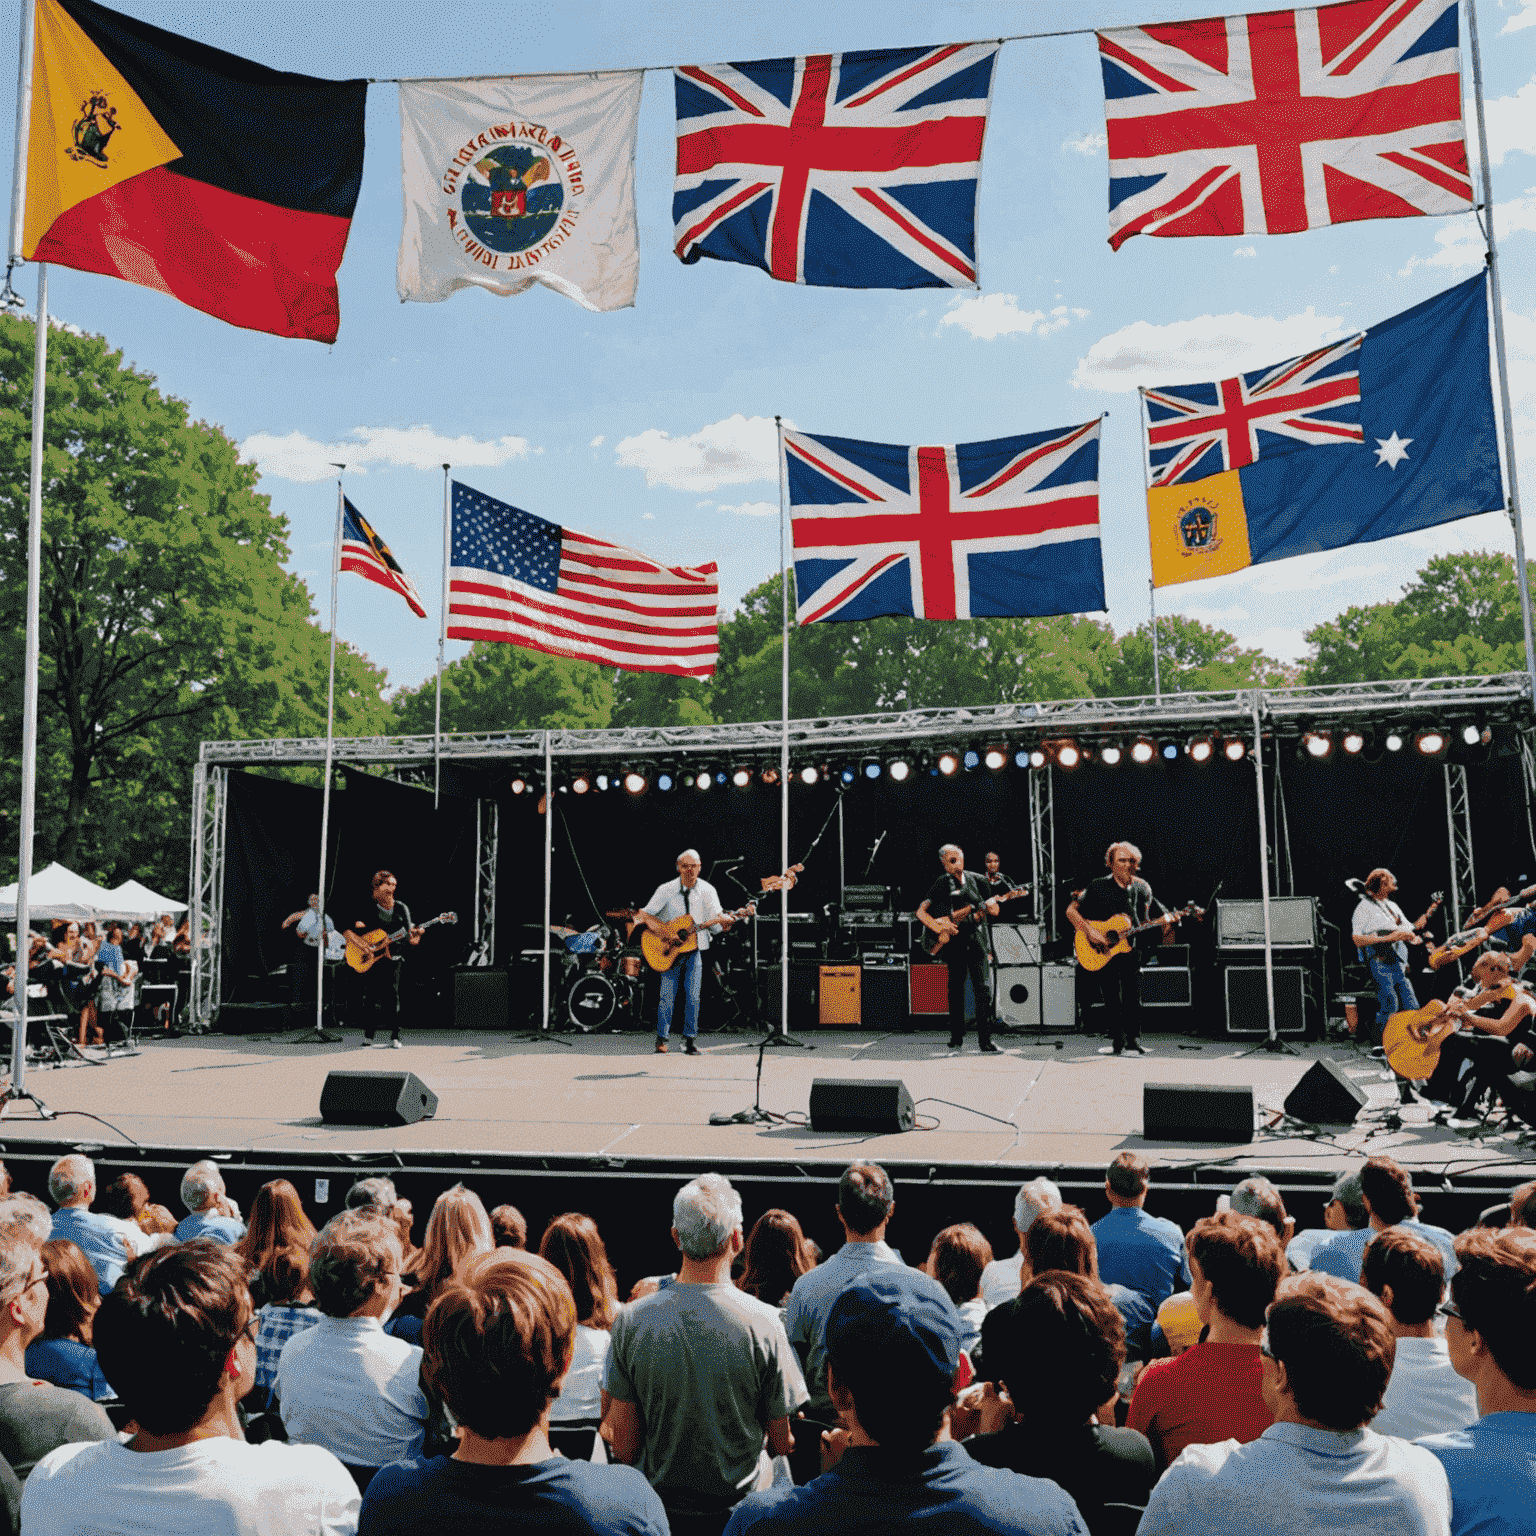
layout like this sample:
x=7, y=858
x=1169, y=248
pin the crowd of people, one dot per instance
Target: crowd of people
x=231, y=1373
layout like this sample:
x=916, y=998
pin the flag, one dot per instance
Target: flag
x=365, y=554
x=518, y=578
x=223, y=183
x=1427, y=453
x=1286, y=120
x=964, y=531
x=841, y=170
x=523, y=180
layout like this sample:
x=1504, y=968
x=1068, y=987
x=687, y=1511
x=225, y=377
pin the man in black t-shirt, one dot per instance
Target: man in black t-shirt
x=378, y=991
x=965, y=953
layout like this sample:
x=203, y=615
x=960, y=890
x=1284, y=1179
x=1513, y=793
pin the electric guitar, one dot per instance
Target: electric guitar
x=1429, y=912
x=1119, y=930
x=364, y=950
x=683, y=937
x=1498, y=915
x=934, y=942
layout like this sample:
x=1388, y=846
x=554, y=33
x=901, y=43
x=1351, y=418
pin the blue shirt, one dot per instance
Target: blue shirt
x=1143, y=1252
x=1492, y=1470
x=1344, y=1252
x=68, y=1363
x=805, y=1313
x=222, y=1229
x=102, y=1239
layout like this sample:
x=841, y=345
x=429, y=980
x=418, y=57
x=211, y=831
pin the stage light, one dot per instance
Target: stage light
x=1037, y=758
x=1021, y=758
x=1202, y=749
x=996, y=758
x=848, y=774
x=1353, y=743
x=1318, y=744
x=1170, y=751
x=872, y=768
x=972, y=758
x=1142, y=750
x=581, y=784
x=899, y=771
x=1235, y=750
x=1471, y=735
x=809, y=775
x=634, y=783
x=741, y=778
x=704, y=780
x=1069, y=756
x=1394, y=742
x=1110, y=756
x=1431, y=743
x=948, y=763
x=721, y=776
x=519, y=786
x=664, y=781
x=770, y=775
x=602, y=782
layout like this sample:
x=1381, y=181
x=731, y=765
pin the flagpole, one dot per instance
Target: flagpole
x=442, y=639
x=1513, y=507
x=1157, y=681
x=549, y=861
x=1146, y=474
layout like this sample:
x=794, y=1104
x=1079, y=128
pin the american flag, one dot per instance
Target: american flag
x=962, y=531
x=1195, y=430
x=364, y=553
x=1284, y=121
x=518, y=578
x=844, y=170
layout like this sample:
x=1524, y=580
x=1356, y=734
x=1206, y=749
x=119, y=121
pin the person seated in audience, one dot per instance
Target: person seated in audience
x=1054, y=1360
x=1214, y=1391
x=35, y=1416
x=1386, y=1190
x=175, y=1342
x=574, y=1246
x=956, y=1260
x=1259, y=1198
x=1490, y=1322
x=457, y=1229
x=1143, y=1252
x=26, y=1210
x=345, y=1383
x=508, y=1227
x=210, y=1211
x=1319, y=1466
x=373, y=1193
x=776, y=1255
x=276, y=1249
x=700, y=1374
x=107, y=1242
x=62, y=1353
x=498, y=1340
x=1178, y=1320
x=1343, y=1211
x=1001, y=1280
x=893, y=1353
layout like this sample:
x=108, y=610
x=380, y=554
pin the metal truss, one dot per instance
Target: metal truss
x=210, y=803
x=1042, y=847
x=487, y=824
x=1458, y=841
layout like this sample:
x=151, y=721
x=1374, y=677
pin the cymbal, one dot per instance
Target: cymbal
x=621, y=912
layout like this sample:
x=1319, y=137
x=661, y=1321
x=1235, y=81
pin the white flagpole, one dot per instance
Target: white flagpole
x=1146, y=469
x=549, y=860
x=442, y=640
x=1157, y=680
x=783, y=741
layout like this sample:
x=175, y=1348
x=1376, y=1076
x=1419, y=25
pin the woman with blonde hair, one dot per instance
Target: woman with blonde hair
x=457, y=1229
x=573, y=1245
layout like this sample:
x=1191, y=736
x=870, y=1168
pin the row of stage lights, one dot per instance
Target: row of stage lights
x=1432, y=742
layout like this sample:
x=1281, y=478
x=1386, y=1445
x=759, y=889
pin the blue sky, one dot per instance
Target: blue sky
x=653, y=425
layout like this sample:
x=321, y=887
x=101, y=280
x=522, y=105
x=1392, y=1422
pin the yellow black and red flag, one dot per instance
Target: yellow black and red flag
x=153, y=158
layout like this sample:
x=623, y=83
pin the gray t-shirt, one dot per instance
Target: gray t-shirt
x=37, y=1417
x=709, y=1368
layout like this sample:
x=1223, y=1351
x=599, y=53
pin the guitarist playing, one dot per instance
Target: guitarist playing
x=1475, y=1061
x=1122, y=892
x=687, y=896
x=1382, y=933
x=378, y=988
x=966, y=952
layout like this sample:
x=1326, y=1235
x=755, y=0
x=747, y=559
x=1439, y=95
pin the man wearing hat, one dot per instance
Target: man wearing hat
x=893, y=1352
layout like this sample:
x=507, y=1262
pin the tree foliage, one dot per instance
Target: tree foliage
x=1191, y=658
x=499, y=687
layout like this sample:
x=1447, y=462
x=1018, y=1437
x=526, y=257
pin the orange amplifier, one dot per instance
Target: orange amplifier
x=839, y=991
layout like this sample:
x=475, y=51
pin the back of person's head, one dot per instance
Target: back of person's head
x=959, y=1255
x=1062, y=1239
x=1336, y=1343
x=1179, y=1319
x=165, y=1332
x=19, y=1247
x=893, y=1342
x=1408, y=1262
x=73, y=1291
x=498, y=1341
x=1495, y=1291
x=201, y=1184
x=1522, y=1206
x=775, y=1256
x=1036, y=1196
x=865, y=1197
x=352, y=1256
x=1346, y=1192
x=5, y=1179
x=25, y=1210
x=376, y=1193
x=69, y=1178
x=1259, y=1198
x=1128, y=1175
x=509, y=1228
x=457, y=1228
x=572, y=1243
x=1243, y=1262
x=1058, y=1348
x=277, y=1240
x=705, y=1213
x=1388, y=1190
x=124, y=1197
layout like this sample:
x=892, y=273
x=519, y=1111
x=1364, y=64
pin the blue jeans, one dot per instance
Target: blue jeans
x=689, y=970
x=1394, y=994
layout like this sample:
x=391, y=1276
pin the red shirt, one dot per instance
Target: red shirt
x=1208, y=1394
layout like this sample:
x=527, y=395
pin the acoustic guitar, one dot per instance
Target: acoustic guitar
x=682, y=937
x=1411, y=1040
x=933, y=942
x=364, y=950
x=1119, y=929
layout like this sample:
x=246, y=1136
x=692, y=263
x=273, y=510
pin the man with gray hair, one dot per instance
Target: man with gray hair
x=698, y=901
x=1343, y=1211
x=1259, y=1198
x=954, y=911
x=375, y=1193
x=211, y=1213
x=700, y=1373
x=106, y=1241
x=1000, y=1280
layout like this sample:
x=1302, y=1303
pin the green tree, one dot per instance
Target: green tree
x=1191, y=658
x=659, y=698
x=500, y=687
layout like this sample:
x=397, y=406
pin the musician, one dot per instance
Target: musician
x=1382, y=934
x=1475, y=1061
x=378, y=988
x=315, y=932
x=687, y=896
x=997, y=882
x=966, y=952
x=1122, y=892
x=1519, y=935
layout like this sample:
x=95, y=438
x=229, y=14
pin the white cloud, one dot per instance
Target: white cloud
x=752, y=508
x=1207, y=347
x=1247, y=251
x=1305, y=573
x=1512, y=123
x=597, y=442
x=1218, y=618
x=1524, y=17
x=730, y=452
x=1283, y=644
x=1461, y=245
x=647, y=517
x=990, y=315
x=297, y=457
x=1085, y=143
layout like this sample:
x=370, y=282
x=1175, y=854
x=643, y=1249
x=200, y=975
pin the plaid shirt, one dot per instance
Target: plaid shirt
x=279, y=1323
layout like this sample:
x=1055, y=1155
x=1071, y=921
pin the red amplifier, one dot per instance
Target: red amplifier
x=930, y=989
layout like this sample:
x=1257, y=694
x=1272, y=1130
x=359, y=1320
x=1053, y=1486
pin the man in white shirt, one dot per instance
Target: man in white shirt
x=687, y=896
x=1000, y=1280
x=316, y=934
x=1382, y=934
x=176, y=1341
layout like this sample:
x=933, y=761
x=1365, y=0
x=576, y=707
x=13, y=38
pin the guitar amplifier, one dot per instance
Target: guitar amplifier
x=884, y=1002
x=1292, y=923
x=929, y=990
x=867, y=898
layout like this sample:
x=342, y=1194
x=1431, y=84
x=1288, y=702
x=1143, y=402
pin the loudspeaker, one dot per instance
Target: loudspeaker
x=804, y=989
x=1292, y=923
x=1196, y=1112
x=1058, y=996
x=1248, y=1000
x=1165, y=986
x=861, y=1104
x=884, y=1004
x=1325, y=1096
x=839, y=994
x=930, y=990
x=376, y=1098
x=480, y=998
x=1018, y=996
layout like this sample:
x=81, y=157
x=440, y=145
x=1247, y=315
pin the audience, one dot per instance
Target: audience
x=24, y=1210
x=62, y=1353
x=105, y=1240
x=127, y=1198
x=374, y=1193
x=958, y=1256
x=776, y=1255
x=1319, y=1466
x=574, y=1246
x=1259, y=1198
x=508, y=1227
x=1344, y=1211
x=175, y=1342
x=1214, y=1390
x=1143, y=1252
x=210, y=1211
x=276, y=1249
x=892, y=1341
x=1425, y=1395
x=1386, y=1189
x=700, y=1373
x=1490, y=1322
x=1001, y=1280
x=1178, y=1320
x=457, y=1229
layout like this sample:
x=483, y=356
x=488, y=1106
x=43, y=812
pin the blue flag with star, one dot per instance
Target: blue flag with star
x=1417, y=447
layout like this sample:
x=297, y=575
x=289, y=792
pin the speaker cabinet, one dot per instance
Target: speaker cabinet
x=1018, y=996
x=1058, y=996
x=376, y=1098
x=1196, y=1112
x=883, y=1002
x=804, y=991
x=1165, y=986
x=869, y=1104
x=481, y=998
x=839, y=995
x=1292, y=923
x=1016, y=943
x=930, y=990
x=1325, y=1096
x=1248, y=1000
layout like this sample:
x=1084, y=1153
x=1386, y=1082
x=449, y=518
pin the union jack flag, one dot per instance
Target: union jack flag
x=843, y=170
x=364, y=553
x=963, y=531
x=1285, y=121
x=1195, y=430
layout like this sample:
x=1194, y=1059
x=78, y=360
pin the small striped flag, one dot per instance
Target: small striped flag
x=365, y=554
x=518, y=578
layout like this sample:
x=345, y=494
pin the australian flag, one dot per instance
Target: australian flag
x=840, y=170
x=962, y=531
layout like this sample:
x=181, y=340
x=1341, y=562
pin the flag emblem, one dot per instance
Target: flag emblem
x=1197, y=529
x=93, y=130
x=365, y=554
x=515, y=197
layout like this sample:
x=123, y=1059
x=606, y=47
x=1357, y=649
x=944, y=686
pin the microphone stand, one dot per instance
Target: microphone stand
x=757, y=1115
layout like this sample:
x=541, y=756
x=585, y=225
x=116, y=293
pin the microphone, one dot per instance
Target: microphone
x=1357, y=887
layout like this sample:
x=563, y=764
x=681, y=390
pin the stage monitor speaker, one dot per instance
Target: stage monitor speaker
x=1325, y=1096
x=1018, y=996
x=930, y=990
x=481, y=998
x=883, y=1002
x=376, y=1098
x=1292, y=923
x=1166, y=986
x=1196, y=1112
x=869, y=1104
x=1248, y=1000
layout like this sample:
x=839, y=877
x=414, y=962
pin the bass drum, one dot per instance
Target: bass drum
x=592, y=1001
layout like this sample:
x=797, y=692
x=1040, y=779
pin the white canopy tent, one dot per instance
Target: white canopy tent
x=57, y=892
x=133, y=901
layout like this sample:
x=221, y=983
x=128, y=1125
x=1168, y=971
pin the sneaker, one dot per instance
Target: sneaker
x=1138, y=1048
x=954, y=1045
x=988, y=1049
x=689, y=1048
x=394, y=1044
x=1109, y=1050
x=661, y=1047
